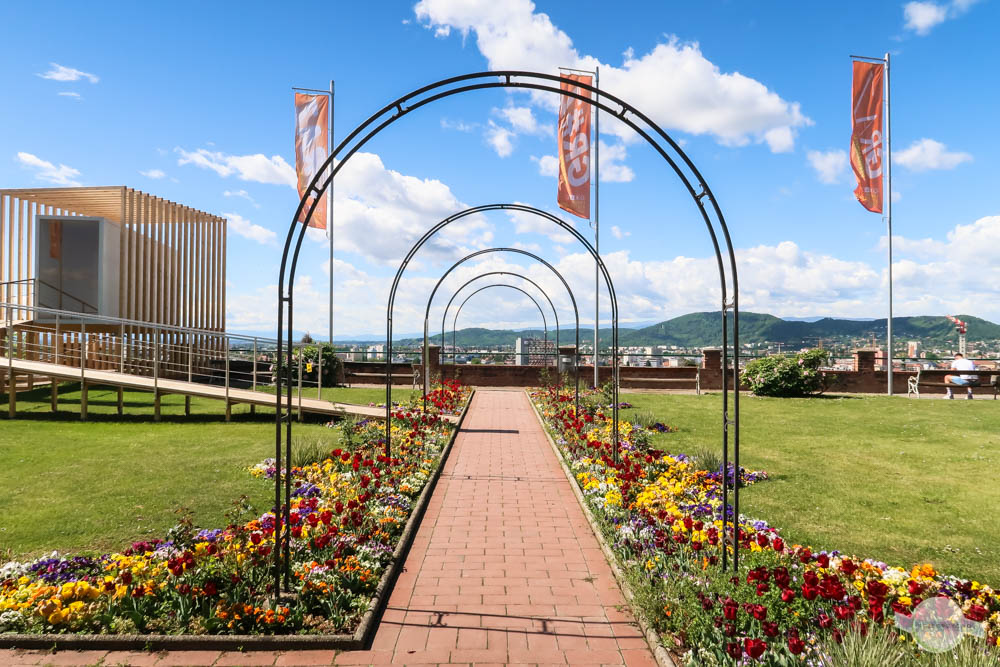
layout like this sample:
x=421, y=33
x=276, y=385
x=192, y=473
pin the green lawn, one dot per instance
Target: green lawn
x=356, y=395
x=101, y=484
x=896, y=479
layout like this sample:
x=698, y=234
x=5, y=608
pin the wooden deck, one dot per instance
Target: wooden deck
x=162, y=386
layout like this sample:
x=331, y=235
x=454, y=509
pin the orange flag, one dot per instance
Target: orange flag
x=866, y=133
x=573, y=135
x=311, y=138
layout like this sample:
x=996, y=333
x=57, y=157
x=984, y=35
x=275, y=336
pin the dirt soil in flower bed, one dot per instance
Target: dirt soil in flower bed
x=348, y=511
x=662, y=513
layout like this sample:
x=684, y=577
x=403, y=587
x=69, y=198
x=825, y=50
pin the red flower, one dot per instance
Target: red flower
x=847, y=566
x=758, y=611
x=811, y=578
x=823, y=560
x=761, y=539
x=696, y=545
x=734, y=650
x=255, y=538
x=326, y=516
x=805, y=555
x=755, y=647
x=796, y=645
x=778, y=544
x=729, y=609
x=809, y=592
x=211, y=588
x=770, y=628
x=976, y=613
x=875, y=587
x=762, y=588
x=787, y=595
x=843, y=612
x=824, y=621
x=781, y=576
x=914, y=587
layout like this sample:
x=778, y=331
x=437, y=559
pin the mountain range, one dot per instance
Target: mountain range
x=696, y=330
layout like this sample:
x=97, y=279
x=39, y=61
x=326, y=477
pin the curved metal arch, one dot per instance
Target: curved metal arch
x=576, y=312
x=576, y=316
x=444, y=315
x=523, y=208
x=626, y=114
x=514, y=287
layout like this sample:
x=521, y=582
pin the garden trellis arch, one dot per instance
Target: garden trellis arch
x=555, y=311
x=514, y=287
x=526, y=253
x=668, y=149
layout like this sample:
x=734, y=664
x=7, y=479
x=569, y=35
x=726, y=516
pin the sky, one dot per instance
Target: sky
x=193, y=102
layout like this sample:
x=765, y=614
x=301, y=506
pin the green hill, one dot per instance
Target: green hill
x=704, y=330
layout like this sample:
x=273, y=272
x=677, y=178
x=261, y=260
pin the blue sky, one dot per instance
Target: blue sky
x=192, y=102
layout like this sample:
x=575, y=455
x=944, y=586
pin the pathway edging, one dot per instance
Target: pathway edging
x=652, y=636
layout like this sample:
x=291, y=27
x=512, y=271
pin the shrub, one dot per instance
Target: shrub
x=786, y=377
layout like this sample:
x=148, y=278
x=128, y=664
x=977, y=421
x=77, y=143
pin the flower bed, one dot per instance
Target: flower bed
x=347, y=514
x=662, y=518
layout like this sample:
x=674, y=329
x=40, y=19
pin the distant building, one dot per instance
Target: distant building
x=534, y=352
x=913, y=349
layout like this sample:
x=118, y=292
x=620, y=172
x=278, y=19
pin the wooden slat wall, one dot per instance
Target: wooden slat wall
x=172, y=258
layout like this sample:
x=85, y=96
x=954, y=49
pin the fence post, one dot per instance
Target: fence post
x=54, y=381
x=11, y=382
x=300, y=383
x=253, y=376
x=83, y=370
x=187, y=397
x=156, y=374
x=319, y=373
x=229, y=407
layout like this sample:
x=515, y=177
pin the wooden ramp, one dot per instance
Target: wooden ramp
x=161, y=386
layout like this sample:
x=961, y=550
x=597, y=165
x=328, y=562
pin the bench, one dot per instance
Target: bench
x=935, y=378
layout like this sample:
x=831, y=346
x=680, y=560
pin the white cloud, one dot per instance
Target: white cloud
x=829, y=165
x=928, y=154
x=500, y=139
x=48, y=172
x=922, y=16
x=154, y=174
x=617, y=232
x=548, y=165
x=782, y=279
x=523, y=120
x=242, y=194
x=459, y=125
x=258, y=167
x=529, y=223
x=613, y=169
x=75, y=96
x=690, y=93
x=60, y=73
x=246, y=229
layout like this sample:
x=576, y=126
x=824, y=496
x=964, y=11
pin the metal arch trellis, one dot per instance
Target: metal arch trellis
x=554, y=270
x=513, y=287
x=444, y=315
x=696, y=186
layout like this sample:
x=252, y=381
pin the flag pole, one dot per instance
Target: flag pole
x=329, y=212
x=888, y=217
x=597, y=224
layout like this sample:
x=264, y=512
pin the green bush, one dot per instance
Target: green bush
x=786, y=377
x=333, y=366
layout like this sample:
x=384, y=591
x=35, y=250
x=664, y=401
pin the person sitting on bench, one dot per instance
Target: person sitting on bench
x=964, y=380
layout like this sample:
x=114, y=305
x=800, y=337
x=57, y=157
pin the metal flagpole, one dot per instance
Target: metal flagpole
x=597, y=225
x=888, y=218
x=329, y=213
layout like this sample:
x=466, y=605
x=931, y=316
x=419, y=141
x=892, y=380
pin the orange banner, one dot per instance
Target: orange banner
x=574, y=148
x=866, y=133
x=311, y=138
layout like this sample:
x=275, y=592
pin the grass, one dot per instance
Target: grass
x=896, y=479
x=97, y=485
x=356, y=395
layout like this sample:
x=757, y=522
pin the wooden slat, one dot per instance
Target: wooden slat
x=121, y=257
x=222, y=321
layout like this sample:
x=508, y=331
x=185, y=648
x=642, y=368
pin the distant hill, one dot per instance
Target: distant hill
x=703, y=330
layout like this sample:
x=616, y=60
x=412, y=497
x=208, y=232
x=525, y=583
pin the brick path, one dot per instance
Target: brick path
x=503, y=570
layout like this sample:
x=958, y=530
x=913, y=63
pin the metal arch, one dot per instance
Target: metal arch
x=611, y=291
x=444, y=315
x=514, y=287
x=572, y=297
x=508, y=207
x=626, y=114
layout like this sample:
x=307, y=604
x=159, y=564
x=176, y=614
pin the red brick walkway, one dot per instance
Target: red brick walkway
x=503, y=570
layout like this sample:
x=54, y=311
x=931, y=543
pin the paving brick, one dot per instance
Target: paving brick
x=304, y=658
x=239, y=659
